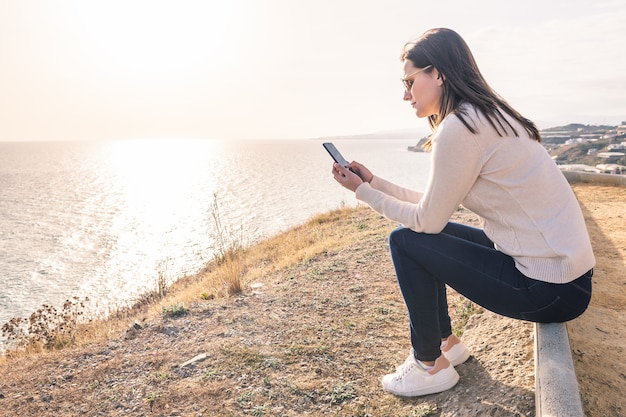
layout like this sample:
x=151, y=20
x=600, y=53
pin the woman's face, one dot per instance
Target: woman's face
x=425, y=89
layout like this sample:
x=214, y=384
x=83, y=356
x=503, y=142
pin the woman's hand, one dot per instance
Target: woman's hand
x=346, y=178
x=360, y=170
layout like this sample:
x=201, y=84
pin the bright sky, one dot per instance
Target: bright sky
x=288, y=69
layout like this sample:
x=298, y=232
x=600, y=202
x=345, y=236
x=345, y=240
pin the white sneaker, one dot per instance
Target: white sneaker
x=411, y=380
x=454, y=350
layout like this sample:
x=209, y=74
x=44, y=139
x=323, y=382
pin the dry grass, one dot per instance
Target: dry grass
x=325, y=232
x=313, y=336
x=302, y=342
x=234, y=265
x=234, y=261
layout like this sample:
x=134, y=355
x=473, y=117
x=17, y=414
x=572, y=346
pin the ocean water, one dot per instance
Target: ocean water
x=104, y=219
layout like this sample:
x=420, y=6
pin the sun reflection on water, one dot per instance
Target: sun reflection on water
x=160, y=192
x=159, y=178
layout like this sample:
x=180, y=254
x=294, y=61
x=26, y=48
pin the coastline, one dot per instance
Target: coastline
x=314, y=334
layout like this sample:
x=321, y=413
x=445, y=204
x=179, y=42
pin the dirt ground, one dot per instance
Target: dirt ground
x=315, y=338
x=598, y=336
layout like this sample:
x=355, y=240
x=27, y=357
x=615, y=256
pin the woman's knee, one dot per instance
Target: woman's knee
x=406, y=242
x=398, y=237
x=393, y=236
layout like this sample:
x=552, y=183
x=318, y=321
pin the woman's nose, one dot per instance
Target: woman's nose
x=407, y=95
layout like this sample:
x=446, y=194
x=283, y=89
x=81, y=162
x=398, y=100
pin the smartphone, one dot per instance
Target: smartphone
x=335, y=154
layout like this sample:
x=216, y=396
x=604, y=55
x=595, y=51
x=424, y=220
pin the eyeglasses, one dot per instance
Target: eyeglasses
x=408, y=83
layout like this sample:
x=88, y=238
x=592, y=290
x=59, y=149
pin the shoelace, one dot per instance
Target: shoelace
x=405, y=368
x=408, y=358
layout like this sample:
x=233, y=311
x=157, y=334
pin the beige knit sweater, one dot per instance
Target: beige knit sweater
x=527, y=207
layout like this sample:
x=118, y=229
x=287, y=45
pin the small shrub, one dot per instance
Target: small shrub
x=210, y=375
x=424, y=410
x=233, y=271
x=245, y=397
x=47, y=328
x=227, y=249
x=342, y=393
x=160, y=376
x=174, y=310
x=151, y=398
x=465, y=309
x=259, y=410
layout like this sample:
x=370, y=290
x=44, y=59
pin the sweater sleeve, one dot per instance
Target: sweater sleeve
x=401, y=193
x=456, y=163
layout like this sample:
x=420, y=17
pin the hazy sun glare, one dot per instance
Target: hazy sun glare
x=160, y=180
x=102, y=69
x=164, y=40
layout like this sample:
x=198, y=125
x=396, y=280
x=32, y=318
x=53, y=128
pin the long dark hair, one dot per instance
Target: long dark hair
x=448, y=53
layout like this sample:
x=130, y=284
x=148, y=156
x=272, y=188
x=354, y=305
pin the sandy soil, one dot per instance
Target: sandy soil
x=315, y=339
x=598, y=336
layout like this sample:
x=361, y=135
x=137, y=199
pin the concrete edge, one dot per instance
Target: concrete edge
x=595, y=178
x=557, y=393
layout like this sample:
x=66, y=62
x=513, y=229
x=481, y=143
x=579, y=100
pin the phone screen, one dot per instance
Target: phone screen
x=332, y=150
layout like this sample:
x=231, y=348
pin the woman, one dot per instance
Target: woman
x=531, y=261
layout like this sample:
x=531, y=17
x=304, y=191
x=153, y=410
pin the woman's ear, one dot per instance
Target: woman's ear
x=440, y=78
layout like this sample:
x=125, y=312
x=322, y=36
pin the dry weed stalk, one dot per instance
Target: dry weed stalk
x=227, y=248
x=45, y=329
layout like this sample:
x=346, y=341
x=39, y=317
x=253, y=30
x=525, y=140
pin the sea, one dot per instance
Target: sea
x=105, y=219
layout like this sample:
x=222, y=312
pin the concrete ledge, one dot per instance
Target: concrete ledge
x=556, y=389
x=591, y=177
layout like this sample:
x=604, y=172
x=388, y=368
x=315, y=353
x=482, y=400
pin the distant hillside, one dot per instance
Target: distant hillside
x=586, y=144
x=574, y=143
x=561, y=134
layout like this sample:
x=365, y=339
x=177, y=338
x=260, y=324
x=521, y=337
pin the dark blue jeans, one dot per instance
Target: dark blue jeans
x=464, y=258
